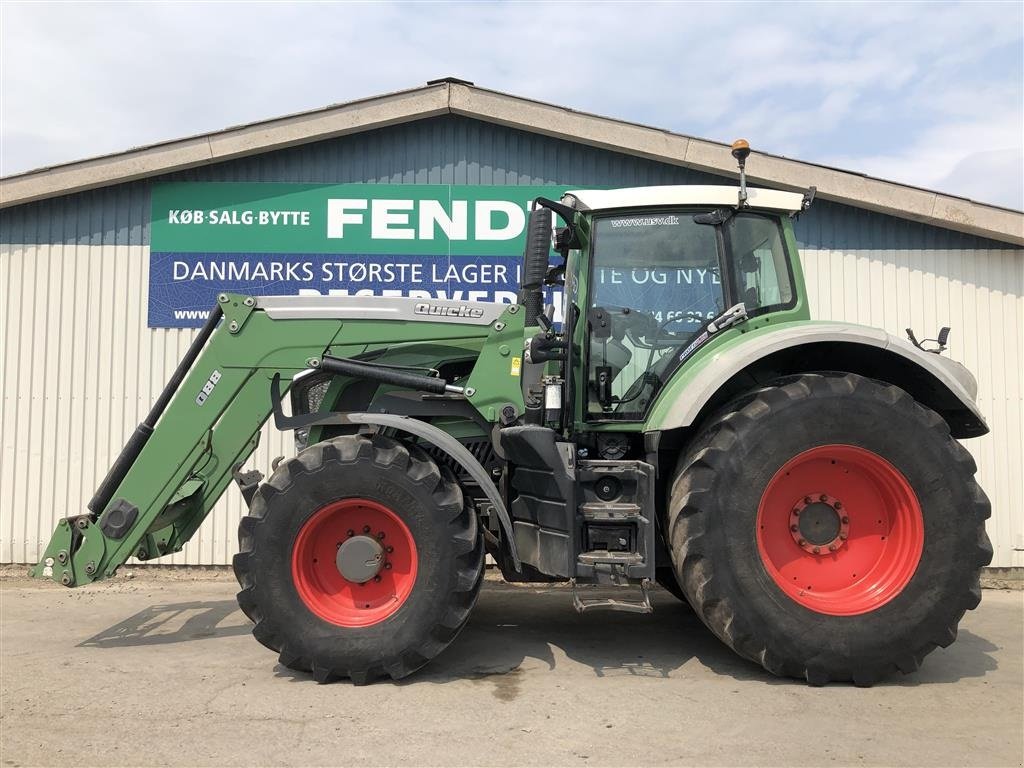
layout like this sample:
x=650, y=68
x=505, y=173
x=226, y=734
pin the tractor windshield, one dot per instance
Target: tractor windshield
x=657, y=280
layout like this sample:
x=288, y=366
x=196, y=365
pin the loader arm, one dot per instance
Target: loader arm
x=207, y=421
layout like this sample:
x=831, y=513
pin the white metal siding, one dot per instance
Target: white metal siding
x=79, y=369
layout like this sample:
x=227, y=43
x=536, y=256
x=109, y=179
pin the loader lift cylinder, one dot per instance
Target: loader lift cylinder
x=141, y=435
x=392, y=376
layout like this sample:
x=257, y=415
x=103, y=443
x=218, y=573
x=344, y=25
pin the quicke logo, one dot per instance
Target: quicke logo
x=438, y=310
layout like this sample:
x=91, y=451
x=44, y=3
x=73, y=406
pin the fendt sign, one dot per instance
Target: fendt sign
x=423, y=241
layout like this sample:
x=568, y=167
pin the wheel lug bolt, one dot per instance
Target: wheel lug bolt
x=832, y=547
x=801, y=542
x=376, y=578
x=389, y=549
x=796, y=513
x=823, y=497
x=366, y=529
x=380, y=535
x=846, y=520
x=842, y=536
x=351, y=532
x=807, y=499
x=794, y=528
x=387, y=567
x=817, y=550
x=837, y=505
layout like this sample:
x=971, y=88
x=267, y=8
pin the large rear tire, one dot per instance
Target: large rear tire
x=358, y=559
x=828, y=527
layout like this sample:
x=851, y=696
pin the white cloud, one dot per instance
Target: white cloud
x=907, y=91
x=982, y=159
x=991, y=175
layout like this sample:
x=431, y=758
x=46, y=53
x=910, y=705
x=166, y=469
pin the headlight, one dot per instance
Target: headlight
x=307, y=396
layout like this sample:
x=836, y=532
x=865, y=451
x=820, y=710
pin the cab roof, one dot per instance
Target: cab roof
x=691, y=194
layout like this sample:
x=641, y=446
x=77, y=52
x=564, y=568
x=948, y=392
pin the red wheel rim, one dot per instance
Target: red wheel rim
x=316, y=571
x=840, y=530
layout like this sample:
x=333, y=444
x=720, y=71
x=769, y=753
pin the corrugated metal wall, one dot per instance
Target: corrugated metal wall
x=79, y=368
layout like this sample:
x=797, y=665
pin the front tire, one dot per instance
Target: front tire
x=829, y=528
x=358, y=559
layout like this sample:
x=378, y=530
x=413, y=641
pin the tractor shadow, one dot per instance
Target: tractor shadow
x=173, y=623
x=512, y=628
x=512, y=625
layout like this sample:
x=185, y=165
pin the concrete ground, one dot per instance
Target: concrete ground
x=163, y=672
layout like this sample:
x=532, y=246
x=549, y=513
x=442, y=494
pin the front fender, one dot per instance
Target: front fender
x=682, y=402
x=422, y=429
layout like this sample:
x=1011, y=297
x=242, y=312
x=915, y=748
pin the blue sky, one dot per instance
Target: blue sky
x=930, y=94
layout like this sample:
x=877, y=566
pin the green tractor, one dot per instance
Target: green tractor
x=681, y=421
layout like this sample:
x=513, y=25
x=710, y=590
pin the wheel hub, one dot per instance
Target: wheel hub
x=360, y=558
x=354, y=562
x=840, y=558
x=819, y=524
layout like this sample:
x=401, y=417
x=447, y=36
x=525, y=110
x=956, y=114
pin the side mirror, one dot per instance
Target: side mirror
x=940, y=341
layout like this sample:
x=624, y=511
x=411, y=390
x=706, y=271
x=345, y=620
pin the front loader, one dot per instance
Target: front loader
x=799, y=483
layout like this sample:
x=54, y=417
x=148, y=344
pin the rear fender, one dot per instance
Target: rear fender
x=760, y=355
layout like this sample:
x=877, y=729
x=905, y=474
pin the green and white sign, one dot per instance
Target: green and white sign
x=429, y=241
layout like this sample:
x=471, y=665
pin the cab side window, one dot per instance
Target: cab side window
x=760, y=271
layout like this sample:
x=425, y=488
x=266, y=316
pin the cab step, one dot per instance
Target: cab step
x=643, y=605
x=603, y=556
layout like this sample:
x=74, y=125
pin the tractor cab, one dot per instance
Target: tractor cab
x=659, y=275
x=650, y=276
